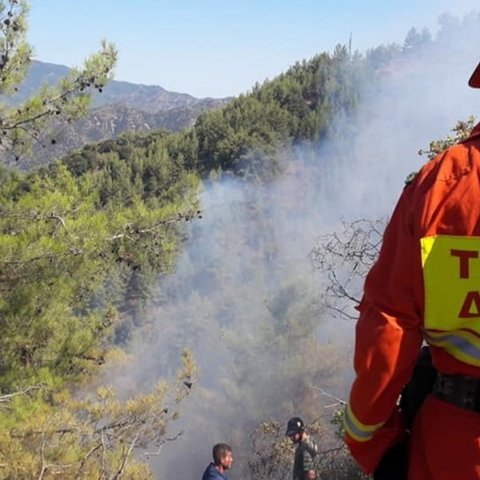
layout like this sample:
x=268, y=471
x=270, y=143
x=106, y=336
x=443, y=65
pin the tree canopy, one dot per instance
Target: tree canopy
x=78, y=247
x=24, y=124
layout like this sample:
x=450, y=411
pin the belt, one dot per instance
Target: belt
x=459, y=390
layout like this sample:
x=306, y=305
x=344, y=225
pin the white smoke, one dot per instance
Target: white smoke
x=249, y=253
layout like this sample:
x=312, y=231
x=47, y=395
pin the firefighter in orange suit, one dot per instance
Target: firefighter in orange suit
x=425, y=286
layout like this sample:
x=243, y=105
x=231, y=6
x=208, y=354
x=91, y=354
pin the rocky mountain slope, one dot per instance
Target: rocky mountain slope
x=122, y=106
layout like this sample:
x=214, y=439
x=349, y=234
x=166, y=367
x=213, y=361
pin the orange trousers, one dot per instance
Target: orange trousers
x=445, y=443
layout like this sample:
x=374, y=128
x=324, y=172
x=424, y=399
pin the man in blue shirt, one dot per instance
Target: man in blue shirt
x=222, y=460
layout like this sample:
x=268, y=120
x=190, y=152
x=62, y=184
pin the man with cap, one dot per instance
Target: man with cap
x=424, y=287
x=303, y=465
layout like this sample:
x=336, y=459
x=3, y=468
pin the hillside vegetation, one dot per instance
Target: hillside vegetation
x=84, y=240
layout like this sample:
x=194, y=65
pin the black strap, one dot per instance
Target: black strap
x=459, y=390
x=419, y=386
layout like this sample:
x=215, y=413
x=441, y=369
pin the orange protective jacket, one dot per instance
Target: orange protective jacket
x=424, y=286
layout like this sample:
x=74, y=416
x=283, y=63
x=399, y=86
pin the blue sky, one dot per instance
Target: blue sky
x=219, y=48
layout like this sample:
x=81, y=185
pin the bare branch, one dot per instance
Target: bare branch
x=42, y=455
x=345, y=258
x=86, y=457
x=323, y=392
x=168, y=439
x=125, y=458
x=130, y=230
x=7, y=397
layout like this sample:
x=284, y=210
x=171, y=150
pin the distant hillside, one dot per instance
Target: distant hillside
x=148, y=98
x=108, y=121
x=122, y=106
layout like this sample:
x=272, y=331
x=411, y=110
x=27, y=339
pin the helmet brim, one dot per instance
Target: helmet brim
x=474, y=81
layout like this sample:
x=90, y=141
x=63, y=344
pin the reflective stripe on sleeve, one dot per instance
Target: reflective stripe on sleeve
x=357, y=430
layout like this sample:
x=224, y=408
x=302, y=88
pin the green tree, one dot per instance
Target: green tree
x=61, y=251
x=49, y=434
x=415, y=41
x=22, y=125
x=73, y=239
x=460, y=132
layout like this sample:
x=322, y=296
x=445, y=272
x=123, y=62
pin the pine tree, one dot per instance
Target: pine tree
x=22, y=125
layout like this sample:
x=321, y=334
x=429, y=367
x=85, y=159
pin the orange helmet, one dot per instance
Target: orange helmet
x=474, y=81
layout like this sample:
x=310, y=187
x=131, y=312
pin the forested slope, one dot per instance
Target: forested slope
x=83, y=241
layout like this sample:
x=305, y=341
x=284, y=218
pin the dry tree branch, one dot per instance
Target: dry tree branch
x=323, y=392
x=344, y=258
x=7, y=397
x=125, y=458
x=165, y=440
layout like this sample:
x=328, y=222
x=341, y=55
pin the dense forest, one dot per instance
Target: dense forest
x=85, y=241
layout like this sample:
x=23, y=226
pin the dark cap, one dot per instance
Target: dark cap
x=294, y=425
x=474, y=81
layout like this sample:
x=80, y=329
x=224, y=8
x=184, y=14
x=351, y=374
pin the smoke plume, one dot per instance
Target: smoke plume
x=244, y=296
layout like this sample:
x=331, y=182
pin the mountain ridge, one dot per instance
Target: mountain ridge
x=120, y=107
x=136, y=95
